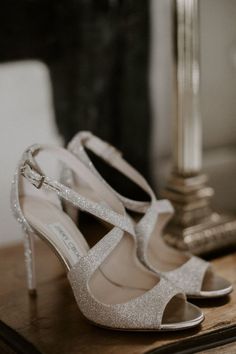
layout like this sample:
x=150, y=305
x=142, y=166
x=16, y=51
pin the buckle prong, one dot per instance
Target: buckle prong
x=32, y=174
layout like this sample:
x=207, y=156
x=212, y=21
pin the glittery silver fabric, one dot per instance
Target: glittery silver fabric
x=190, y=275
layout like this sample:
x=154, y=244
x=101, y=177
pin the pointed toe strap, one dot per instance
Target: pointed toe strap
x=189, y=277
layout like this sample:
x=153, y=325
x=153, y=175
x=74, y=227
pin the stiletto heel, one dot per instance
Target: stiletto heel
x=191, y=274
x=111, y=286
x=29, y=254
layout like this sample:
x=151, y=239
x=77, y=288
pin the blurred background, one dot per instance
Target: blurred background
x=108, y=66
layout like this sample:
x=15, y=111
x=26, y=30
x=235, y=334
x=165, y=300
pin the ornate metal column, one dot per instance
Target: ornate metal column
x=195, y=226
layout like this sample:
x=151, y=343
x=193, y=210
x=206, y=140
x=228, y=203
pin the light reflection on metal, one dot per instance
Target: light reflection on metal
x=188, y=142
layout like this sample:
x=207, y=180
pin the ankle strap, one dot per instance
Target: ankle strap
x=30, y=170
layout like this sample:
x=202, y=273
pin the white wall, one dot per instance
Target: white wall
x=26, y=117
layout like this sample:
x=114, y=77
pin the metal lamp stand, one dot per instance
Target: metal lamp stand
x=195, y=226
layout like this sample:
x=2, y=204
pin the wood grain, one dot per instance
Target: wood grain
x=53, y=323
x=224, y=349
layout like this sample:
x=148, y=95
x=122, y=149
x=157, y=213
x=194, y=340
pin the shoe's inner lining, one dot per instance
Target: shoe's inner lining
x=159, y=254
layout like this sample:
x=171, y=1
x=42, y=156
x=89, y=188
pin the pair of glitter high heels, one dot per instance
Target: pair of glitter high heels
x=130, y=279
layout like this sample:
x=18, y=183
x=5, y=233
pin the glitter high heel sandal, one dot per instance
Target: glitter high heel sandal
x=192, y=274
x=112, y=288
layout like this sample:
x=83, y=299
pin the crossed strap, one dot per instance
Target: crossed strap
x=30, y=169
x=114, y=158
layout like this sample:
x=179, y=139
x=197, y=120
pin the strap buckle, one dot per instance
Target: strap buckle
x=32, y=173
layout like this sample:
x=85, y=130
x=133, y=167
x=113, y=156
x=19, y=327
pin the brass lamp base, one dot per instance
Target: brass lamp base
x=195, y=227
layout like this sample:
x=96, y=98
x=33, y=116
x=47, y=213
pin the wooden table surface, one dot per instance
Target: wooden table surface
x=53, y=323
